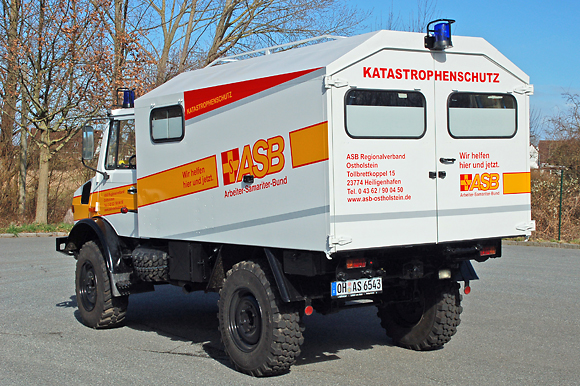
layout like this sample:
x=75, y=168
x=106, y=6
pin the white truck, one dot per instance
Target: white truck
x=361, y=171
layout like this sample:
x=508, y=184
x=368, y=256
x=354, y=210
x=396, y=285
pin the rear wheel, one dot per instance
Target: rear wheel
x=427, y=323
x=261, y=335
x=97, y=306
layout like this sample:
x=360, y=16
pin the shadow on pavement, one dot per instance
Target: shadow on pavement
x=192, y=319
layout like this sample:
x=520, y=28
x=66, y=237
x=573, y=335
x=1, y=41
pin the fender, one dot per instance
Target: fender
x=287, y=291
x=102, y=232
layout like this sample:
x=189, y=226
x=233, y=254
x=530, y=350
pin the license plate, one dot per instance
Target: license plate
x=358, y=287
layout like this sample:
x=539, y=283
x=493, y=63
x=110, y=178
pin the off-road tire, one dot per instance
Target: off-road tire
x=432, y=321
x=151, y=265
x=261, y=335
x=97, y=306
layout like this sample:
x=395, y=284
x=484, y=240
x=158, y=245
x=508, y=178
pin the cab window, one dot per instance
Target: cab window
x=472, y=115
x=121, y=145
x=385, y=114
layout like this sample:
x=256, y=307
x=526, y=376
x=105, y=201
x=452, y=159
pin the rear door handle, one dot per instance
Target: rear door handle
x=447, y=160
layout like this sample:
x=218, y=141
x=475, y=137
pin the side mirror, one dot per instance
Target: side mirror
x=88, y=143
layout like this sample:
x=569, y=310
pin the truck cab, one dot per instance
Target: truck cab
x=112, y=192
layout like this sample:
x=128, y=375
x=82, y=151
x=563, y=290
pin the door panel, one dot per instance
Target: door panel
x=383, y=150
x=482, y=150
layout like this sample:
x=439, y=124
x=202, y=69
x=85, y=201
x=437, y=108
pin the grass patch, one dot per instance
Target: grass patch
x=37, y=228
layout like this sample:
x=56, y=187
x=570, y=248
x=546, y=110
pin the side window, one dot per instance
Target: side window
x=472, y=115
x=385, y=114
x=167, y=124
x=121, y=145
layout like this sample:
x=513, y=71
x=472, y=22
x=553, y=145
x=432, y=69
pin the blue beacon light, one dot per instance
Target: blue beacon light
x=439, y=38
x=128, y=98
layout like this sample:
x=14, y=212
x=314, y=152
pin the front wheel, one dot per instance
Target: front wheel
x=97, y=306
x=426, y=323
x=261, y=335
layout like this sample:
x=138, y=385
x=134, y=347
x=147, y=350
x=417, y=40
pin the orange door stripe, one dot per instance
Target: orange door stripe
x=516, y=183
x=180, y=181
x=309, y=145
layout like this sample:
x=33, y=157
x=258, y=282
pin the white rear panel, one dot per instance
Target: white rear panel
x=466, y=177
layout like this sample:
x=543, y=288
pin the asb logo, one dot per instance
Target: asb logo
x=265, y=157
x=483, y=182
x=230, y=163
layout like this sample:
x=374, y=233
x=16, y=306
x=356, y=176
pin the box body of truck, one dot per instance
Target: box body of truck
x=367, y=168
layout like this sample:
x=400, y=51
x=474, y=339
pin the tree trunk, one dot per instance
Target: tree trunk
x=220, y=31
x=188, y=33
x=11, y=80
x=119, y=46
x=23, y=163
x=43, y=172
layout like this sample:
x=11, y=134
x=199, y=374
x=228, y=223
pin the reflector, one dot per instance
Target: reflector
x=356, y=263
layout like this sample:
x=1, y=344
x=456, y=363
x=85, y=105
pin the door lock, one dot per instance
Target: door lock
x=442, y=174
x=432, y=175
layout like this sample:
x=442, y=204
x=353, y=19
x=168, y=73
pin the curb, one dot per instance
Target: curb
x=545, y=244
x=25, y=234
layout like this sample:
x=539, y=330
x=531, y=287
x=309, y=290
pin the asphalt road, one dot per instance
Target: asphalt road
x=520, y=326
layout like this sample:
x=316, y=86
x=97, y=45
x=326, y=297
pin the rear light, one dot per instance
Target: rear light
x=487, y=251
x=356, y=263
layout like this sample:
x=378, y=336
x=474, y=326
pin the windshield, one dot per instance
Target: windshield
x=121, y=145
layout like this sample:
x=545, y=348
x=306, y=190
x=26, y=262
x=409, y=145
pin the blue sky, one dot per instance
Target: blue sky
x=540, y=37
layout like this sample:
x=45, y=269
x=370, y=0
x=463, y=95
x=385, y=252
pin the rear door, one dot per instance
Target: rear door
x=482, y=159
x=383, y=149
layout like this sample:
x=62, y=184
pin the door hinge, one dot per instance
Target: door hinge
x=340, y=240
x=525, y=89
x=527, y=226
x=336, y=82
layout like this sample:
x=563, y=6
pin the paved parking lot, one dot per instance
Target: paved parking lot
x=519, y=326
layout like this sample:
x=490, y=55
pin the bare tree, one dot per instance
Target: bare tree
x=196, y=32
x=416, y=21
x=9, y=27
x=537, y=122
x=564, y=129
x=127, y=24
x=12, y=16
x=60, y=70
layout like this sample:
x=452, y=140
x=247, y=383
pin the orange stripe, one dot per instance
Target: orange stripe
x=112, y=200
x=516, y=183
x=80, y=210
x=180, y=181
x=309, y=145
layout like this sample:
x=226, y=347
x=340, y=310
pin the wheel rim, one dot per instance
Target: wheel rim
x=245, y=320
x=409, y=314
x=88, y=286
